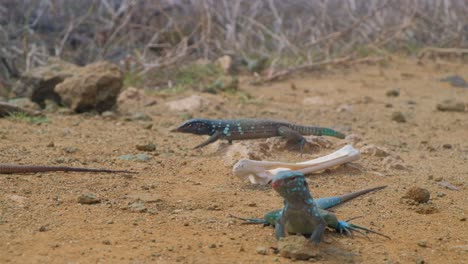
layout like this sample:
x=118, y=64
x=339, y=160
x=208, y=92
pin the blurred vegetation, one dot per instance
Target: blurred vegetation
x=149, y=39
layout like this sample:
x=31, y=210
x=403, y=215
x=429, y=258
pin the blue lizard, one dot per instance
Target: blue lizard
x=302, y=214
x=241, y=129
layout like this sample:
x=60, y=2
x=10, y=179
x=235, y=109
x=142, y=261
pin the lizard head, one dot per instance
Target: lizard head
x=195, y=126
x=290, y=183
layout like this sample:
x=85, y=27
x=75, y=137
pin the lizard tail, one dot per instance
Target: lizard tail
x=318, y=131
x=328, y=202
x=350, y=196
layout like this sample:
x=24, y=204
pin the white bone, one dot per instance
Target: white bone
x=260, y=172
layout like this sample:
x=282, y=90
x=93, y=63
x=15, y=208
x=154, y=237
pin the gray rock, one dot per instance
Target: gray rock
x=297, y=247
x=137, y=207
x=137, y=157
x=451, y=106
x=88, y=198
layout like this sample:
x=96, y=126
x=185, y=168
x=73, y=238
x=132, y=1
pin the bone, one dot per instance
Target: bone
x=260, y=172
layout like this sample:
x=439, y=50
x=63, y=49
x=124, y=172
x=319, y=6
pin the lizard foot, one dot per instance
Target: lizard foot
x=345, y=227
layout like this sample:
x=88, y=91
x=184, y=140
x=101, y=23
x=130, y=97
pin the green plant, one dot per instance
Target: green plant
x=23, y=117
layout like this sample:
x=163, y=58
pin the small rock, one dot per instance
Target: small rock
x=137, y=207
x=43, y=228
x=297, y=247
x=463, y=219
x=107, y=242
x=417, y=194
x=51, y=144
x=393, y=93
x=261, y=250
x=212, y=246
x=137, y=157
x=440, y=194
x=451, y=106
x=375, y=151
x=398, y=117
x=422, y=243
x=146, y=147
x=70, y=150
x=88, y=198
x=447, y=146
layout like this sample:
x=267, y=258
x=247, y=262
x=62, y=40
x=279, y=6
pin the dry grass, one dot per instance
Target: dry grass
x=149, y=35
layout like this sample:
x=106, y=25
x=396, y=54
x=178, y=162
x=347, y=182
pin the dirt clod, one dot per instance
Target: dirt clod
x=417, y=194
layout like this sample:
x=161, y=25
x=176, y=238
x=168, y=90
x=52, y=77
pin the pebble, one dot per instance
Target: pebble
x=107, y=242
x=447, y=146
x=137, y=207
x=212, y=246
x=261, y=250
x=88, y=198
x=422, y=243
x=417, y=194
x=451, y=106
x=146, y=147
x=392, y=93
x=398, y=117
x=137, y=157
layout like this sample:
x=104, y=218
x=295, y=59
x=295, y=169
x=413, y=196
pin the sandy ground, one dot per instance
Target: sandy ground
x=189, y=194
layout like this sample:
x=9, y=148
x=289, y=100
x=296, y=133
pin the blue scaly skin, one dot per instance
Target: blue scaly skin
x=240, y=129
x=304, y=215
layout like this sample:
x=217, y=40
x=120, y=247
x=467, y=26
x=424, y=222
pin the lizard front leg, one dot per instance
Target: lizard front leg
x=280, y=231
x=210, y=140
x=292, y=134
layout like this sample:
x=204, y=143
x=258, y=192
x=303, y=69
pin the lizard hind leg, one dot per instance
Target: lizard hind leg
x=293, y=135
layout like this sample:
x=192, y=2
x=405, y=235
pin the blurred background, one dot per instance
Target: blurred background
x=145, y=36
